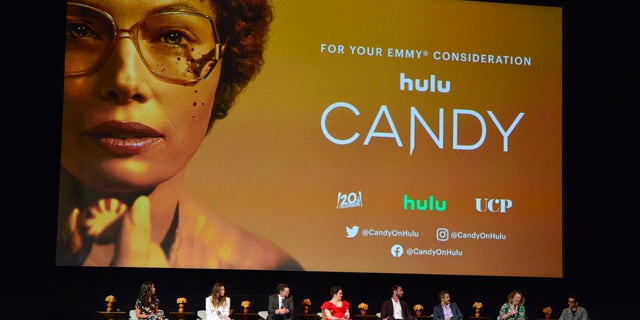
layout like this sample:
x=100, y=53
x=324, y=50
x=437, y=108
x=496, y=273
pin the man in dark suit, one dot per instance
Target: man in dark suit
x=395, y=308
x=280, y=305
x=446, y=310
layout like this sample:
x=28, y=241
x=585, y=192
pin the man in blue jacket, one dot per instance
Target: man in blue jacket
x=446, y=310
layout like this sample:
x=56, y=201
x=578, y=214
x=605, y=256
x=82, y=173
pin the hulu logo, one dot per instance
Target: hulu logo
x=424, y=204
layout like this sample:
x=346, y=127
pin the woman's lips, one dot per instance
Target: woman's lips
x=124, y=138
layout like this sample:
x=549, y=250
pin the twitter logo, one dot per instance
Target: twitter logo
x=352, y=232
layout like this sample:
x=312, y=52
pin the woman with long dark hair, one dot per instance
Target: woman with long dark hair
x=148, y=303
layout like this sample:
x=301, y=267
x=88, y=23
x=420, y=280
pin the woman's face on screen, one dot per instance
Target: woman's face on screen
x=125, y=128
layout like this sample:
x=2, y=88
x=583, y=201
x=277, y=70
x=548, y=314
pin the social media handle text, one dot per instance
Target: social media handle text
x=398, y=251
x=443, y=234
x=434, y=252
x=390, y=233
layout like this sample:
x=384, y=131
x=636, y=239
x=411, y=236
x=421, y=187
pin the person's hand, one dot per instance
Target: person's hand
x=71, y=236
x=97, y=223
x=97, y=227
x=134, y=246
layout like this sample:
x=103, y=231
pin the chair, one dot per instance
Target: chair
x=263, y=314
x=202, y=314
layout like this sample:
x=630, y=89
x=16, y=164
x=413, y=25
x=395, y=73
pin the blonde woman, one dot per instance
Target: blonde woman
x=217, y=304
x=513, y=309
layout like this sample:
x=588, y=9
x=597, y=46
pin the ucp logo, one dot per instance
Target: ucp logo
x=493, y=205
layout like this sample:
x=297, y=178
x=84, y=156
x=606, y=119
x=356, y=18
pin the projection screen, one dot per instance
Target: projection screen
x=409, y=136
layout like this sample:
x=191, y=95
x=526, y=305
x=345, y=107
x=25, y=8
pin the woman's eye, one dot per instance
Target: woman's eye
x=172, y=37
x=80, y=31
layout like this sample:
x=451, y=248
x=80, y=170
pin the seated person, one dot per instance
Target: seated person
x=394, y=308
x=574, y=311
x=280, y=304
x=336, y=308
x=446, y=310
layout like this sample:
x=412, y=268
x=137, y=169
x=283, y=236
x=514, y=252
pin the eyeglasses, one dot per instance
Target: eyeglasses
x=178, y=47
x=572, y=301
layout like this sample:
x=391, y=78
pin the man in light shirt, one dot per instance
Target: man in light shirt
x=394, y=308
x=446, y=310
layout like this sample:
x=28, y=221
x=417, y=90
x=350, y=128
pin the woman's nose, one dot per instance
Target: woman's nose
x=125, y=71
x=126, y=59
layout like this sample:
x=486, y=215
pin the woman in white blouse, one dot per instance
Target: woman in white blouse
x=217, y=305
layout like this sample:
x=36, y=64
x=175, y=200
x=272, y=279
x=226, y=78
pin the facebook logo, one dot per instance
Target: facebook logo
x=397, y=250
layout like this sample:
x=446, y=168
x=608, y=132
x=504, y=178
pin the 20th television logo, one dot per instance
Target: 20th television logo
x=349, y=200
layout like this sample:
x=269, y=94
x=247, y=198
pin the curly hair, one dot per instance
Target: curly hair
x=243, y=26
x=513, y=294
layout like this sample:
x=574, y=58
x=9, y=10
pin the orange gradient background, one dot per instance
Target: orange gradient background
x=282, y=176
